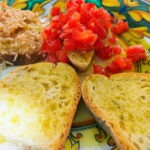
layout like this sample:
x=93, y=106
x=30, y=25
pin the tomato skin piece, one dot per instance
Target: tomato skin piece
x=100, y=70
x=55, y=11
x=112, y=68
x=135, y=53
x=119, y=64
x=85, y=11
x=97, y=28
x=108, y=51
x=88, y=7
x=86, y=36
x=112, y=39
x=51, y=45
x=52, y=35
x=120, y=27
x=63, y=18
x=62, y=56
x=102, y=14
x=69, y=45
x=46, y=33
x=129, y=64
x=51, y=57
x=66, y=34
x=105, y=19
x=105, y=52
x=58, y=56
x=123, y=63
x=116, y=50
x=55, y=23
x=99, y=44
x=74, y=20
x=79, y=1
x=44, y=47
x=72, y=5
x=85, y=16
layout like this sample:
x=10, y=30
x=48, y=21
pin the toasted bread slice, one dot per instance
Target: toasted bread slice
x=122, y=105
x=81, y=60
x=37, y=106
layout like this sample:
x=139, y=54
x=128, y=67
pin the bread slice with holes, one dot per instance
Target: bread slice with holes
x=121, y=104
x=81, y=60
x=37, y=106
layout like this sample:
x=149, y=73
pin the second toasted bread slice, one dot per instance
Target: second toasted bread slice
x=122, y=105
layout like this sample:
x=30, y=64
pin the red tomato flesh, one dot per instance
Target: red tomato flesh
x=119, y=64
x=120, y=27
x=100, y=70
x=78, y=28
x=107, y=52
x=135, y=53
x=55, y=11
x=84, y=27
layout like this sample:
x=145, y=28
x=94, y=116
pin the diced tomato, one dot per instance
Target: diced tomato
x=45, y=47
x=66, y=34
x=123, y=63
x=97, y=28
x=87, y=6
x=99, y=44
x=69, y=45
x=74, y=20
x=62, y=56
x=85, y=11
x=55, y=25
x=79, y=1
x=105, y=52
x=113, y=68
x=59, y=56
x=83, y=26
x=72, y=5
x=116, y=50
x=135, y=53
x=63, y=18
x=112, y=39
x=52, y=34
x=120, y=27
x=46, y=33
x=55, y=11
x=105, y=19
x=119, y=64
x=85, y=16
x=108, y=51
x=100, y=70
x=101, y=13
x=128, y=64
x=69, y=4
x=51, y=57
x=51, y=45
x=86, y=36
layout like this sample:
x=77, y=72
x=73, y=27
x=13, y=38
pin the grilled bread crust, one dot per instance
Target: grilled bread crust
x=121, y=105
x=37, y=105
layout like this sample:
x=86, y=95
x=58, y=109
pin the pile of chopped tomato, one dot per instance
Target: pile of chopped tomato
x=84, y=27
x=120, y=64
